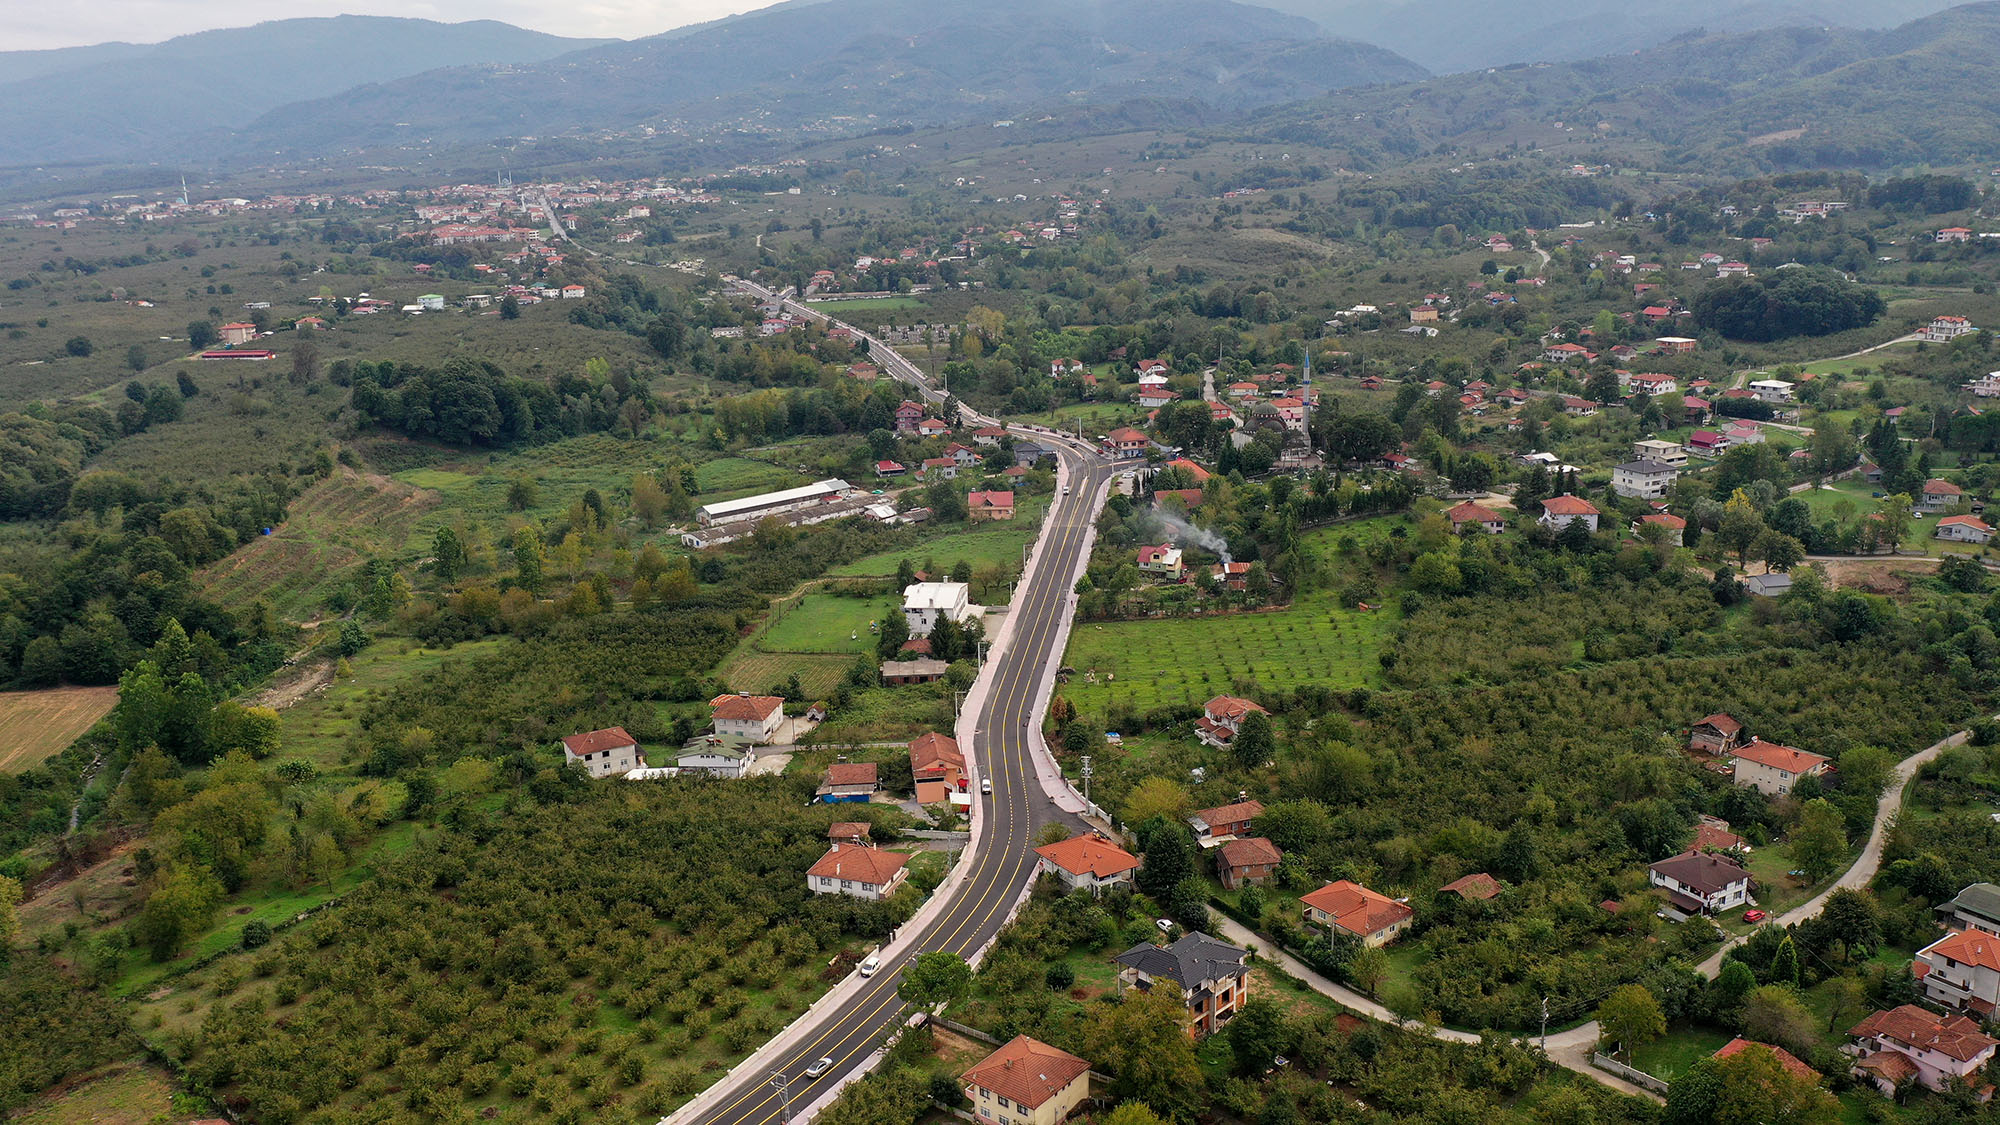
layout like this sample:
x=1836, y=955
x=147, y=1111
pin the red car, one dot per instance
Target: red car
x=1753, y=916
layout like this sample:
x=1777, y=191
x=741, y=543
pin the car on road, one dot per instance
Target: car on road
x=986, y=786
x=819, y=1068
x=1754, y=916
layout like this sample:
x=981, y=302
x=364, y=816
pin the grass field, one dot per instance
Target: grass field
x=730, y=477
x=1145, y=664
x=121, y=1095
x=1682, y=1047
x=847, y=310
x=37, y=725
x=992, y=544
x=826, y=623
x=330, y=529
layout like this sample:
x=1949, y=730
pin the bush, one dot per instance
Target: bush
x=1060, y=975
x=256, y=934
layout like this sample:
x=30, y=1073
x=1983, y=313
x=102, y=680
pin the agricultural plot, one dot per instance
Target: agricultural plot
x=730, y=477
x=826, y=623
x=994, y=544
x=1147, y=664
x=37, y=725
x=848, y=310
x=331, y=529
x=122, y=1095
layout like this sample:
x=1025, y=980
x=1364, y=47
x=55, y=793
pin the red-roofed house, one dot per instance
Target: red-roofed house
x=1088, y=863
x=989, y=505
x=1225, y=823
x=1717, y=734
x=1195, y=472
x=1774, y=770
x=1233, y=575
x=1125, y=443
x=1962, y=970
x=604, y=752
x=1162, y=562
x=853, y=832
x=1700, y=883
x=1245, y=861
x=938, y=768
x=931, y=427
x=753, y=718
x=908, y=415
x=1909, y=1042
x=869, y=873
x=1964, y=529
x=1558, y=512
x=1785, y=1058
x=1937, y=495
x=1027, y=1082
x=889, y=469
x=1676, y=526
x=1470, y=516
x=1351, y=908
x=1473, y=888
x=848, y=783
x=1221, y=718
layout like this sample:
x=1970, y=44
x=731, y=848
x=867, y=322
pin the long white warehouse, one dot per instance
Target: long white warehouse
x=771, y=503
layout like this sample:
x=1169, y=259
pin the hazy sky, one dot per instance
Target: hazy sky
x=30, y=26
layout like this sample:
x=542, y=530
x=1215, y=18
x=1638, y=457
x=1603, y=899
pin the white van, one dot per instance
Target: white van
x=873, y=963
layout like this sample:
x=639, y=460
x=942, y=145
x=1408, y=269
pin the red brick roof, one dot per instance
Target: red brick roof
x=848, y=830
x=1787, y=758
x=934, y=751
x=1477, y=887
x=1785, y=1058
x=1230, y=707
x=1089, y=854
x=750, y=708
x=1357, y=909
x=593, y=741
x=1027, y=1071
x=977, y=501
x=1126, y=434
x=1971, y=947
x=1721, y=722
x=863, y=865
x=851, y=773
x=1941, y=488
x=1231, y=814
x=1665, y=519
x=1470, y=512
x=1569, y=506
x=1253, y=851
x=1955, y=1036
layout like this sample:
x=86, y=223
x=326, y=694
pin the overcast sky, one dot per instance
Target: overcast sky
x=25, y=25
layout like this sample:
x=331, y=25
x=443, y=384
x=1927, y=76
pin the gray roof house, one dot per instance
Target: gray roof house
x=1768, y=585
x=1977, y=907
x=1212, y=976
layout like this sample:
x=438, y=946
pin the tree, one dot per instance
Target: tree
x=179, y=908
x=1169, y=859
x=1143, y=1041
x=184, y=383
x=1754, y=1087
x=522, y=494
x=305, y=361
x=1131, y=1113
x=1741, y=525
x=1785, y=963
x=1368, y=968
x=447, y=556
x=1819, y=843
x=1733, y=986
x=1258, y=1035
x=1773, y=1013
x=895, y=631
x=649, y=500
x=1693, y=1097
x=1813, y=301
x=510, y=307
x=932, y=979
x=1156, y=797
x=353, y=638
x=135, y=357
x=10, y=922
x=1253, y=743
x=1630, y=1017
x=528, y=569
x=78, y=346
x=201, y=334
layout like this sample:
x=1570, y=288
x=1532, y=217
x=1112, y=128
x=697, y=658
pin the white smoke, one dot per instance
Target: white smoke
x=1188, y=533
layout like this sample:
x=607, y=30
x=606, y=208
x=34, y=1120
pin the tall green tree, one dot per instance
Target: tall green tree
x=1819, y=842
x=935, y=978
x=1630, y=1017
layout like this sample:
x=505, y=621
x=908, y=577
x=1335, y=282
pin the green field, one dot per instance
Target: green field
x=826, y=623
x=1851, y=364
x=986, y=544
x=1145, y=664
x=841, y=309
x=1683, y=1046
x=730, y=477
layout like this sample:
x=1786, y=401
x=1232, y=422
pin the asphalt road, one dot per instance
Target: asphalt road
x=1002, y=860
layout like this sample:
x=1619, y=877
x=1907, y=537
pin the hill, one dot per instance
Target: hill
x=852, y=66
x=120, y=101
x=1450, y=36
x=1783, y=97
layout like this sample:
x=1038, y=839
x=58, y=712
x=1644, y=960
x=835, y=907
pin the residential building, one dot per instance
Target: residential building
x=604, y=752
x=1578, y=407
x=1937, y=495
x=1567, y=353
x=855, y=833
x=1910, y=1043
x=1707, y=443
x=889, y=469
x=908, y=416
x=1350, y=908
x=1246, y=860
x=1772, y=584
x=938, y=468
x=1226, y=822
x=1125, y=443
x=1955, y=234
x=754, y=719
x=1163, y=562
x=240, y=333
x=1152, y=398
x=1717, y=734
x=1785, y=1058
x=1644, y=480
x=1423, y=314
x=988, y=435
x=1964, y=529
x=1231, y=575
x=848, y=783
x=931, y=427
x=1212, y=977
x=1700, y=883
x=1944, y=329
x=1713, y=835
x=927, y=603
x=1743, y=433
x=1676, y=345
x=937, y=767
x=1028, y=452
x=1977, y=907
x=989, y=505
x=866, y=872
x=1473, y=888
x=1027, y=1082
x=1771, y=390
x=1088, y=863
x=1671, y=453
x=1221, y=718
x=916, y=670
x=1774, y=770
x=1471, y=516
x=1652, y=384
x=1986, y=386
x=1676, y=526
x=710, y=757
x=1558, y=512
x=1962, y=970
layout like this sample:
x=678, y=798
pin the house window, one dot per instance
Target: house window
x=1004, y=1103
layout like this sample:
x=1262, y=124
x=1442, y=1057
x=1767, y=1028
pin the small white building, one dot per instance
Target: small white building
x=1771, y=390
x=1774, y=770
x=858, y=872
x=1700, y=883
x=925, y=603
x=431, y=302
x=605, y=752
x=1962, y=970
x=1088, y=863
x=754, y=719
x=1964, y=529
x=1558, y=512
x=1944, y=329
x=1664, y=452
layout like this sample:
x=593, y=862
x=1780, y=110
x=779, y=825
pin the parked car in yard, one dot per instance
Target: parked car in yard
x=1754, y=916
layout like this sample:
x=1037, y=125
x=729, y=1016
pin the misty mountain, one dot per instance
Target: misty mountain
x=1449, y=36
x=1777, y=98
x=125, y=101
x=853, y=65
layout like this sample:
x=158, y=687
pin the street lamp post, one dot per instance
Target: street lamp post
x=784, y=1096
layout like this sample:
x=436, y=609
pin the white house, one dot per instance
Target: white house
x=1558, y=512
x=1986, y=386
x=1700, y=883
x=603, y=752
x=869, y=873
x=715, y=758
x=1671, y=453
x=1944, y=329
x=754, y=719
x=1964, y=529
x=1088, y=863
x=1646, y=480
x=1221, y=718
x=1937, y=495
x=1771, y=390
x=1910, y=1043
x=1774, y=770
x=1962, y=970
x=1977, y=907
x=925, y=603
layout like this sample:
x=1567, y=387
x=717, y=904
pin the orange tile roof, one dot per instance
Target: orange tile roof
x=1027, y=1071
x=1477, y=887
x=1955, y=1036
x=1229, y=707
x=1970, y=946
x=863, y=865
x=934, y=751
x=848, y=830
x=592, y=742
x=1472, y=512
x=1231, y=814
x=1357, y=909
x=1787, y=758
x=750, y=708
x=1252, y=851
x=851, y=773
x=1089, y=854
x=1569, y=506
x=1786, y=1058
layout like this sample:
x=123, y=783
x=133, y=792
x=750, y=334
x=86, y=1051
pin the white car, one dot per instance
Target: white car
x=986, y=786
x=819, y=1068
